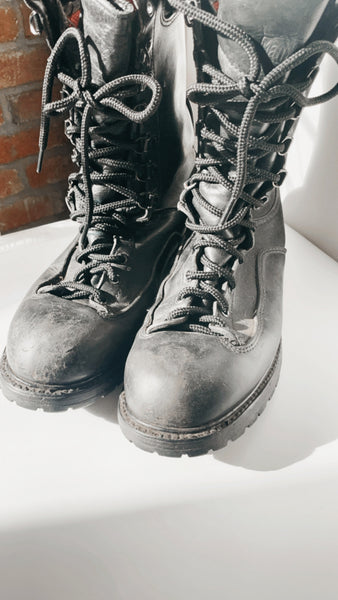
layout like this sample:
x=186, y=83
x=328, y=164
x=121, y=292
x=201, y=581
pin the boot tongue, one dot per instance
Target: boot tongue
x=107, y=27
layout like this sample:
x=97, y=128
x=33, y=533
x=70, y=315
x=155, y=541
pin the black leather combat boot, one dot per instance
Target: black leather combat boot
x=123, y=75
x=208, y=356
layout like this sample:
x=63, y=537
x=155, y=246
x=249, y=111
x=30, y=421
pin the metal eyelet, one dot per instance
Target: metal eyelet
x=97, y=280
x=69, y=200
x=141, y=179
x=189, y=22
x=282, y=174
x=313, y=73
x=261, y=202
x=287, y=142
x=150, y=9
x=124, y=258
x=145, y=216
x=99, y=306
x=143, y=57
x=147, y=142
x=296, y=115
x=35, y=23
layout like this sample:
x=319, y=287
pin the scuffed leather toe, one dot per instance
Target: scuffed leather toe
x=54, y=341
x=174, y=380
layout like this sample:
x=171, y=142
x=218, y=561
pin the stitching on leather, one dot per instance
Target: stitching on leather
x=113, y=317
x=68, y=253
x=160, y=295
x=146, y=288
x=270, y=214
x=261, y=304
x=36, y=389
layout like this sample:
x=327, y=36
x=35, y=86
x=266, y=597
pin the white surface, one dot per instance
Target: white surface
x=85, y=514
x=310, y=192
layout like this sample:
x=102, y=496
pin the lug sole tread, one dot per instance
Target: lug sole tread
x=208, y=439
x=51, y=398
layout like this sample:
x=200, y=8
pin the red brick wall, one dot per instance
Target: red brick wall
x=25, y=196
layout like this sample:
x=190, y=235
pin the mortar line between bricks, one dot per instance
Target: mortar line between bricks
x=21, y=168
x=58, y=142
x=50, y=188
x=30, y=200
x=14, y=46
x=10, y=89
x=11, y=129
x=39, y=223
x=22, y=164
x=28, y=160
x=5, y=110
x=22, y=88
x=21, y=34
x=20, y=21
x=21, y=38
x=10, y=95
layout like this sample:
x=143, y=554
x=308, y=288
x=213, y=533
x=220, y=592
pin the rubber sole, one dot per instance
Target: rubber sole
x=198, y=441
x=54, y=398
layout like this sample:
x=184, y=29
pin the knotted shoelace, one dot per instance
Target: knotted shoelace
x=85, y=133
x=267, y=100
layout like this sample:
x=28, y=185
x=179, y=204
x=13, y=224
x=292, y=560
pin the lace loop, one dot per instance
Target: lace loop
x=86, y=103
x=244, y=86
x=228, y=156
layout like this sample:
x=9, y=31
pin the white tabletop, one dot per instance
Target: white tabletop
x=86, y=515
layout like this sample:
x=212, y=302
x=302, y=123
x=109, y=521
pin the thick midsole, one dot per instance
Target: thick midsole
x=212, y=436
x=52, y=397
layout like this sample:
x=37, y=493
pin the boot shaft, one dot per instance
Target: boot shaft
x=207, y=358
x=245, y=120
x=274, y=33
x=245, y=123
x=121, y=39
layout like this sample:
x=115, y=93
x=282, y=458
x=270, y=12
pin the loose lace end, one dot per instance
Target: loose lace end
x=40, y=160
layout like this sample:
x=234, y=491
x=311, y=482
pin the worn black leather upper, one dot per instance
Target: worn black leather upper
x=214, y=331
x=58, y=341
x=180, y=378
x=79, y=319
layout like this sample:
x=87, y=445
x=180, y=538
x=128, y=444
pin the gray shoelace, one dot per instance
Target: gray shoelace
x=230, y=160
x=100, y=163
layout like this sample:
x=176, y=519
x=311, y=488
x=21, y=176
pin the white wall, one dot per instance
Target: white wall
x=310, y=192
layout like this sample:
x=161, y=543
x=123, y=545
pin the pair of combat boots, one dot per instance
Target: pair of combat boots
x=207, y=353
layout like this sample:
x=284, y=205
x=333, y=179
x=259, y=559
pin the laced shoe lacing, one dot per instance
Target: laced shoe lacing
x=98, y=154
x=227, y=155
